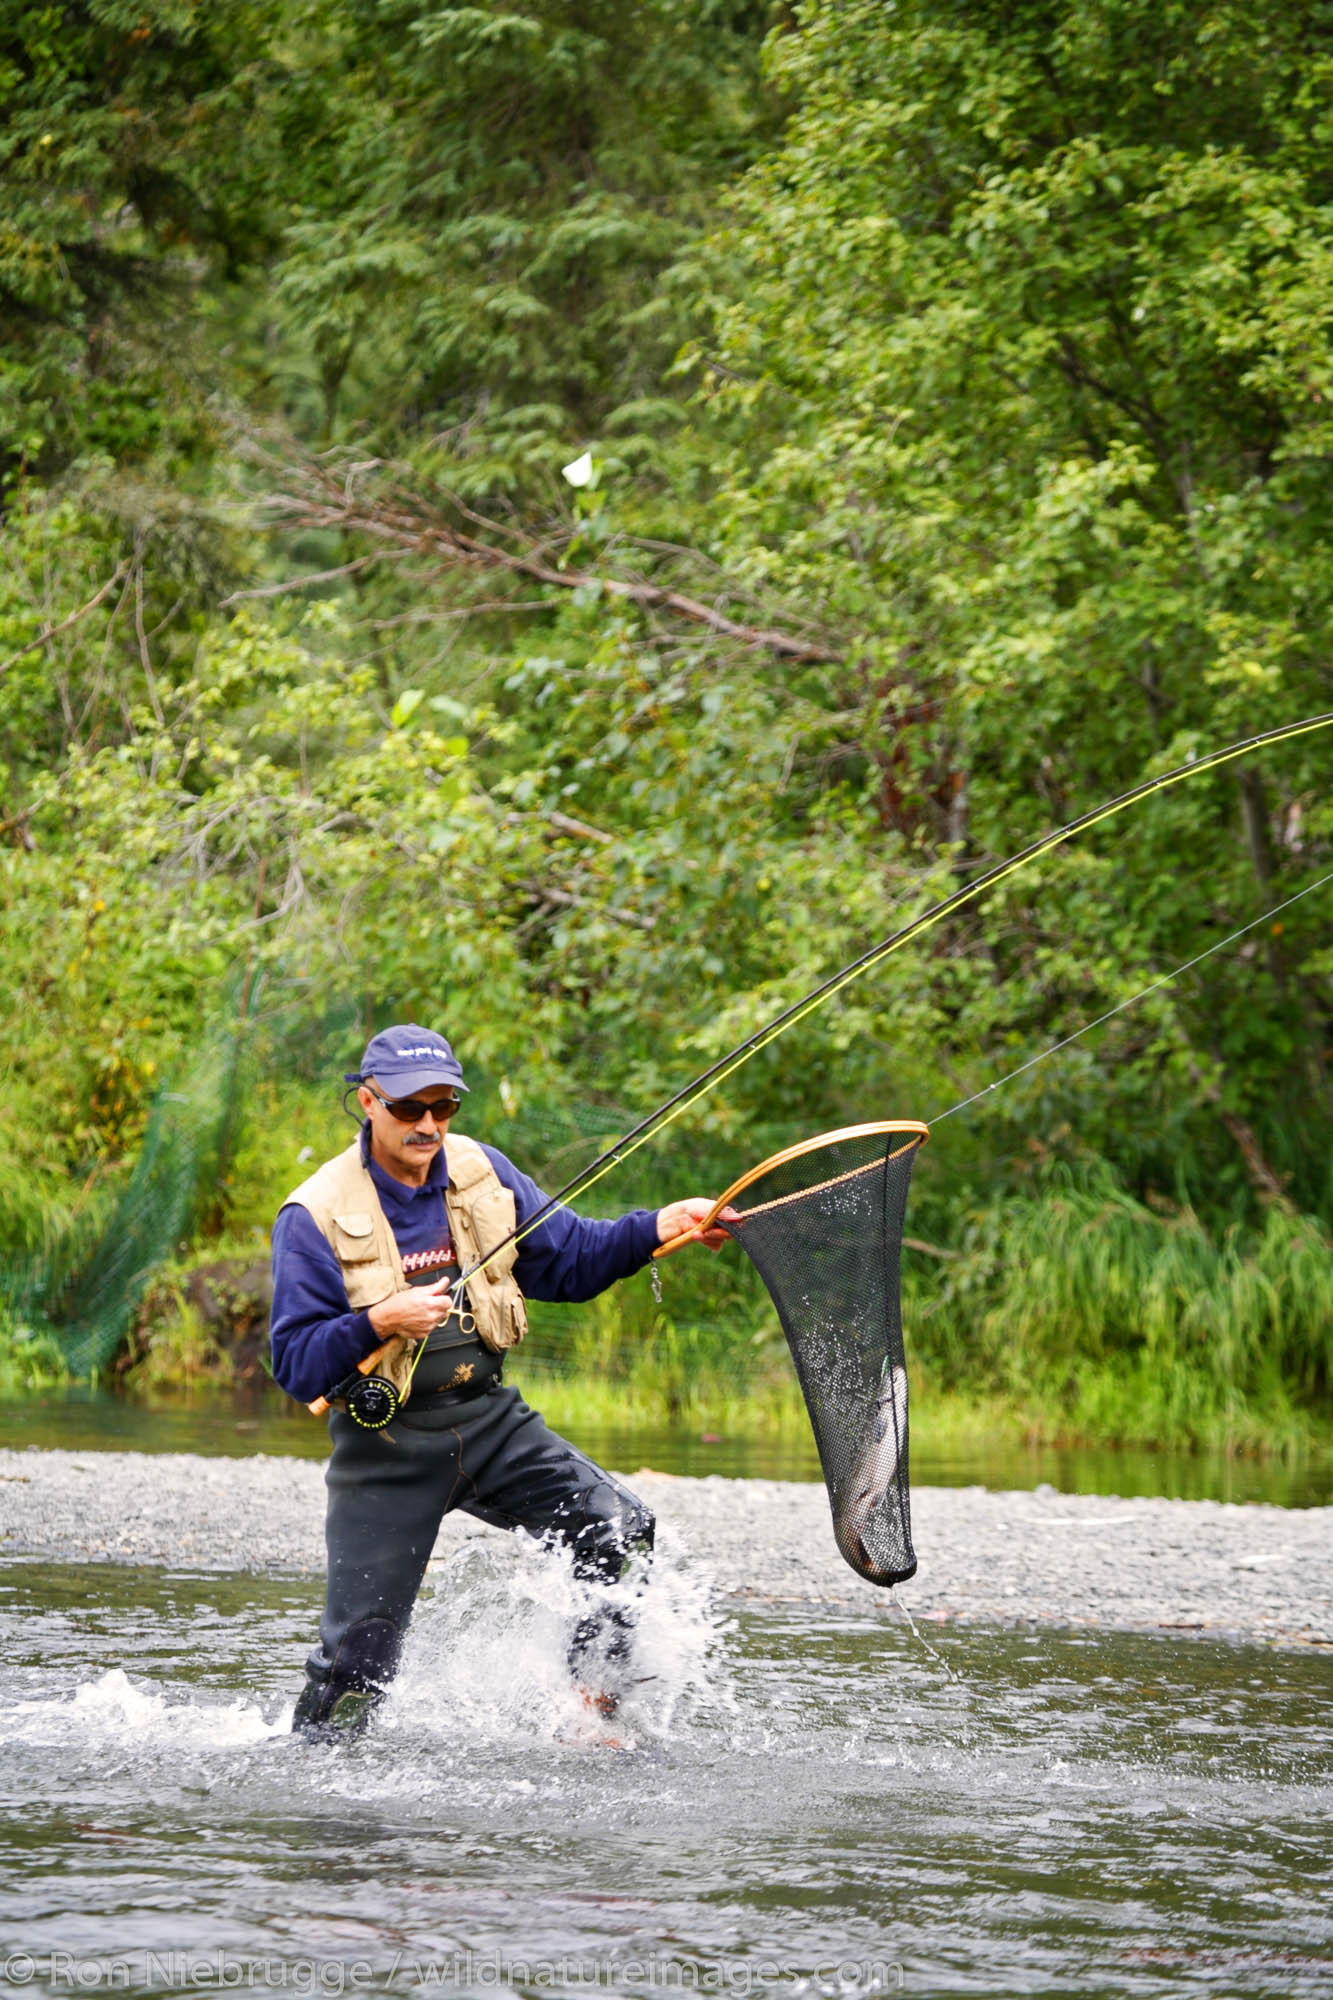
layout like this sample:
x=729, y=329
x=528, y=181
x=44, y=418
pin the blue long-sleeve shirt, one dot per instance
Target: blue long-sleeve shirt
x=317, y=1339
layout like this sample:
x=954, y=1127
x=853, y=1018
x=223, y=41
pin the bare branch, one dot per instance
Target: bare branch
x=927, y=1249
x=316, y=576
x=1264, y=1178
x=401, y=522
x=582, y=831
x=1267, y=1181
x=50, y=632
x=487, y=607
x=549, y=897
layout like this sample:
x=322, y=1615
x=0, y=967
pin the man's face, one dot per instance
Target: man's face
x=413, y=1143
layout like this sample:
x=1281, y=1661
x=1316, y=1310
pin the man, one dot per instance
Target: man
x=364, y=1253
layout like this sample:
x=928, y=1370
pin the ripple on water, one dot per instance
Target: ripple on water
x=1003, y=1812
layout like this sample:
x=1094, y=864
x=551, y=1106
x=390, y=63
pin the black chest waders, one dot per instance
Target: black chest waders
x=494, y=1458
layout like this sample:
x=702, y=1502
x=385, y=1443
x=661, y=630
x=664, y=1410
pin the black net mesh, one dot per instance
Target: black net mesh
x=825, y=1232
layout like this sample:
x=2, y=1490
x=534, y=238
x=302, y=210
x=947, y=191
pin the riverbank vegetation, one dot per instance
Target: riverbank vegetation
x=943, y=405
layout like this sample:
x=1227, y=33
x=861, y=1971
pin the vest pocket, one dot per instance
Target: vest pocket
x=504, y=1320
x=353, y=1238
x=481, y=1215
x=493, y=1216
x=365, y=1274
x=367, y=1284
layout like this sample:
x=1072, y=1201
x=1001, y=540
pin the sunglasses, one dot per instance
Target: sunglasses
x=410, y=1110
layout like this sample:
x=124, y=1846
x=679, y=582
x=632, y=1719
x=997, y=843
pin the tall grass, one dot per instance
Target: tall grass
x=1113, y=1320
x=623, y=1360
x=30, y=1360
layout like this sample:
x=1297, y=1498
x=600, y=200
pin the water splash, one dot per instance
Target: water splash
x=112, y=1710
x=486, y=1659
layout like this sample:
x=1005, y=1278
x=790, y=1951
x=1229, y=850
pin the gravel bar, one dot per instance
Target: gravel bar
x=1251, y=1572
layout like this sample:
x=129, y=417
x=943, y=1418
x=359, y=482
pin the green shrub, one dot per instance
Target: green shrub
x=30, y=1360
x=1126, y=1322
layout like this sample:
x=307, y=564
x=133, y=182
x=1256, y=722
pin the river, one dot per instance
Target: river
x=812, y=1803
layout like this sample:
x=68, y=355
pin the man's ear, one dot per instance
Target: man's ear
x=364, y=1099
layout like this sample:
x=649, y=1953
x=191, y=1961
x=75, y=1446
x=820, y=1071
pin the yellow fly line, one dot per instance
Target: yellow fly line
x=727, y=1066
x=657, y=1121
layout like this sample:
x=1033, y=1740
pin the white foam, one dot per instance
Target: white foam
x=112, y=1708
x=486, y=1658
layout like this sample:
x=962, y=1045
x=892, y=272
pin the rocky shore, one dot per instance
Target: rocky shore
x=1249, y=1572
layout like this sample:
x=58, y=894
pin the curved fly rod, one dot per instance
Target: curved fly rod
x=727, y=1065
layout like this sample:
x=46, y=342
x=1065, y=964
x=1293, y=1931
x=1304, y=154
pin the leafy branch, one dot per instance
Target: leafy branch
x=50, y=632
x=319, y=498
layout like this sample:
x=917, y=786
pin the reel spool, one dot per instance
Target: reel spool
x=372, y=1401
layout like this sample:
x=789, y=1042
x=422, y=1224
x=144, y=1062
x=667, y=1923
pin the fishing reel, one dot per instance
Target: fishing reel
x=372, y=1401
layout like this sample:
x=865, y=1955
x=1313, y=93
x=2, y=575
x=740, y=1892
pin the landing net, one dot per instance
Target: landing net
x=823, y=1225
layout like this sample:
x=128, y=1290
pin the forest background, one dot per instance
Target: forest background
x=956, y=385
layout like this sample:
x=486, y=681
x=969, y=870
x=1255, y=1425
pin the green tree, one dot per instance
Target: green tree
x=1026, y=380
x=129, y=152
x=498, y=191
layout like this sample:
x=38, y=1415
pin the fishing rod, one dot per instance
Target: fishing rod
x=924, y=1127
x=1133, y=1000
x=727, y=1065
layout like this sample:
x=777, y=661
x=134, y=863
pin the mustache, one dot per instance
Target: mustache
x=420, y=1139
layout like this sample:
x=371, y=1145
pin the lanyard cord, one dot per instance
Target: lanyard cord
x=727, y=1065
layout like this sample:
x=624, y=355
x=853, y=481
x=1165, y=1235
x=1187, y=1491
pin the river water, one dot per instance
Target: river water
x=80, y=1420
x=809, y=1803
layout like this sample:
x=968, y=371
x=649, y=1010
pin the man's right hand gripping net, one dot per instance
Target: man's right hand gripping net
x=823, y=1225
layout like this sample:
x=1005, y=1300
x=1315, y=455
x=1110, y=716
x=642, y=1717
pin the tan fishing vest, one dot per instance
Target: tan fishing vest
x=344, y=1202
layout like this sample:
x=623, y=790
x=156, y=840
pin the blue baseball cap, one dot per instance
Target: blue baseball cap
x=407, y=1059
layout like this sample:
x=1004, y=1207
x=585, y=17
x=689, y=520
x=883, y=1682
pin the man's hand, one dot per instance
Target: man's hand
x=680, y=1218
x=414, y=1312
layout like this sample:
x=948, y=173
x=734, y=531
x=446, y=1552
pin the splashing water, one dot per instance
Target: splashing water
x=114, y=1709
x=1004, y=1812
x=487, y=1654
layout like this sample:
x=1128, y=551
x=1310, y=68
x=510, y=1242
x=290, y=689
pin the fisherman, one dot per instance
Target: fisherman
x=364, y=1256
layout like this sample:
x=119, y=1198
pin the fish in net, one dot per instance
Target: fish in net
x=822, y=1223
